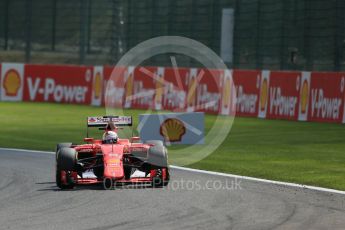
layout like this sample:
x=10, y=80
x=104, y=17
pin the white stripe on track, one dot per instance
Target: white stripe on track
x=293, y=185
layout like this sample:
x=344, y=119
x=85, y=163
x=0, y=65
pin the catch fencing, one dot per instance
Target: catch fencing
x=301, y=35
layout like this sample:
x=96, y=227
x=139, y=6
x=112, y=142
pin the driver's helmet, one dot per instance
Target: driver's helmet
x=110, y=137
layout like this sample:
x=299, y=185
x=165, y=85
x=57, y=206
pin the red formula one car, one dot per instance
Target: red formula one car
x=111, y=159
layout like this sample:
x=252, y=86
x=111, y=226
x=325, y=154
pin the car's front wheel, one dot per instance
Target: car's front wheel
x=64, y=179
x=65, y=163
x=160, y=177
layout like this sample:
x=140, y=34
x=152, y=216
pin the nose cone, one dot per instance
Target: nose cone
x=113, y=164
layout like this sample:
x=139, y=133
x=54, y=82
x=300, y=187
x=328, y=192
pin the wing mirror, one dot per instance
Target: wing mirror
x=88, y=139
x=133, y=139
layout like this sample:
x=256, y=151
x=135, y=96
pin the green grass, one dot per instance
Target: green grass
x=300, y=152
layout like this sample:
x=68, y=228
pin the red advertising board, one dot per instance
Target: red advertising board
x=304, y=96
x=0, y=82
x=62, y=84
x=203, y=90
x=326, y=101
x=247, y=87
x=283, y=95
x=117, y=86
x=146, y=84
x=175, y=87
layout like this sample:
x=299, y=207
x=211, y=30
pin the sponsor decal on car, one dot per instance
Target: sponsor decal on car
x=85, y=150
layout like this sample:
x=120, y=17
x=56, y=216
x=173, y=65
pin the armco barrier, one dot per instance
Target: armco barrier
x=304, y=96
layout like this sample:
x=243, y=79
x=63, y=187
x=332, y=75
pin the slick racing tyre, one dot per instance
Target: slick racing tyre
x=157, y=155
x=65, y=162
x=167, y=177
x=67, y=159
x=61, y=145
x=64, y=179
x=161, y=177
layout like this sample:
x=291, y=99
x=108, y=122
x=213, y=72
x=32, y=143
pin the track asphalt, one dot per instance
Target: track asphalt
x=29, y=199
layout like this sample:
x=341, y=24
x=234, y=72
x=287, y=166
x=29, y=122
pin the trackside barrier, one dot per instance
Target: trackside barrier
x=288, y=95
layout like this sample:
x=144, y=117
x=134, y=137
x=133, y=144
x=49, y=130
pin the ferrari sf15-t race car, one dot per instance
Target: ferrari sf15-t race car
x=111, y=159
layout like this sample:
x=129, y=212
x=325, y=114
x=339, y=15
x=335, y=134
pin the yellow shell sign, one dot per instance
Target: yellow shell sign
x=172, y=130
x=159, y=91
x=263, y=96
x=304, y=96
x=12, y=83
x=97, y=86
x=129, y=85
x=191, y=96
x=226, y=93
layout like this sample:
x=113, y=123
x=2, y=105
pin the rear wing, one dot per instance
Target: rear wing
x=103, y=121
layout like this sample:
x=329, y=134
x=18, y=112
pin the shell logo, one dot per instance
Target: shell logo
x=159, y=91
x=191, y=92
x=304, y=96
x=97, y=85
x=12, y=83
x=129, y=85
x=226, y=93
x=172, y=130
x=263, y=96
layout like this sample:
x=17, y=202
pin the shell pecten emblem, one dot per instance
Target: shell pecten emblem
x=97, y=87
x=129, y=85
x=304, y=96
x=172, y=130
x=159, y=90
x=191, y=96
x=226, y=93
x=263, y=96
x=12, y=83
